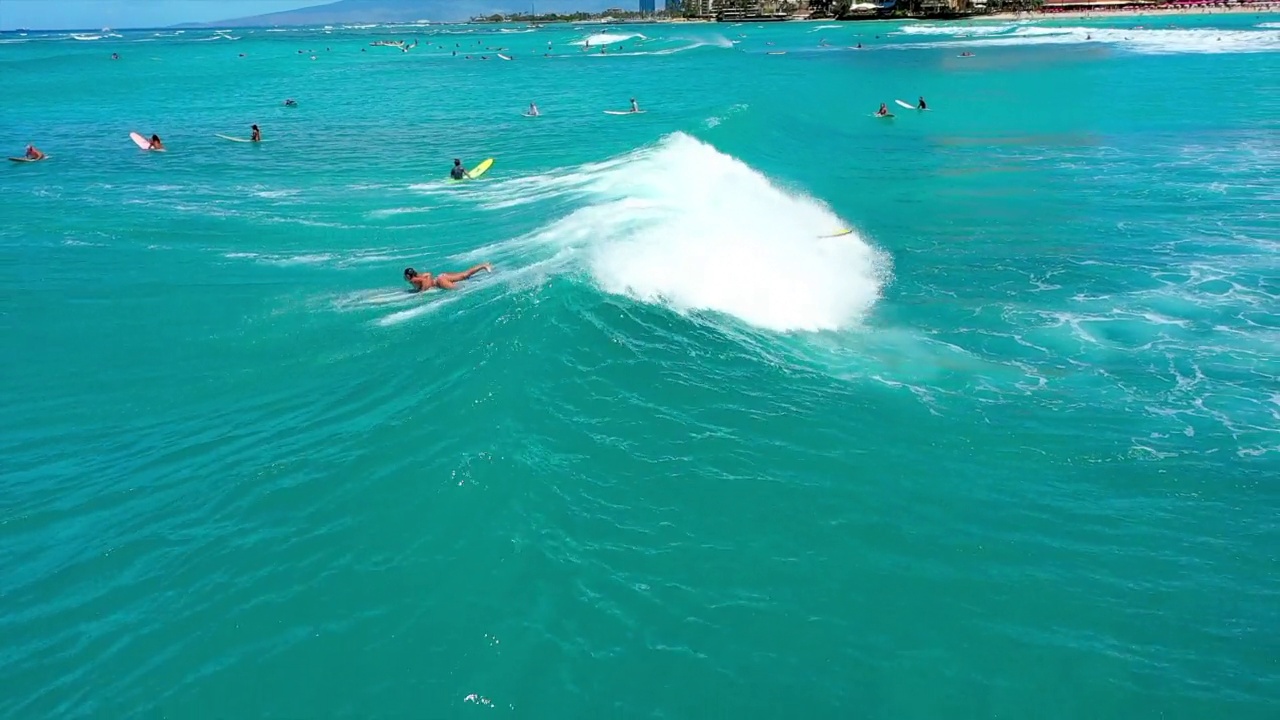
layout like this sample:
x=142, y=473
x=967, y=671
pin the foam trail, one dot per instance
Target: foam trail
x=429, y=305
x=373, y=299
x=724, y=239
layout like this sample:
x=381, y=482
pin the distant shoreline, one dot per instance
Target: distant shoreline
x=1270, y=8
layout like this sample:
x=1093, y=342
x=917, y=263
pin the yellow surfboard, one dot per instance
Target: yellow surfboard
x=480, y=169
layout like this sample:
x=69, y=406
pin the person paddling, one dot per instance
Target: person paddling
x=444, y=281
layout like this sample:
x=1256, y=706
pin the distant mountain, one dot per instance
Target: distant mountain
x=390, y=11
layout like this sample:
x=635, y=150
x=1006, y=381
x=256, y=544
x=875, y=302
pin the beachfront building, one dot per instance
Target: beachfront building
x=674, y=7
x=743, y=9
x=646, y=7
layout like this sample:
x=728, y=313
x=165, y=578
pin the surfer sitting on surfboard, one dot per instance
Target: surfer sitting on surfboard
x=257, y=134
x=33, y=153
x=634, y=106
x=458, y=172
x=444, y=281
x=533, y=109
x=921, y=104
x=155, y=143
x=884, y=110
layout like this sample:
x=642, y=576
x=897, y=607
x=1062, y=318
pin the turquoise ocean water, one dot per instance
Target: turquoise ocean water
x=1008, y=450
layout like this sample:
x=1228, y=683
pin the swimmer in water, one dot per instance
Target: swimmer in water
x=458, y=172
x=444, y=281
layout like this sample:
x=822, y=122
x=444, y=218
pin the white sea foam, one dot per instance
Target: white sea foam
x=725, y=239
x=389, y=212
x=282, y=260
x=1150, y=42
x=715, y=120
x=607, y=39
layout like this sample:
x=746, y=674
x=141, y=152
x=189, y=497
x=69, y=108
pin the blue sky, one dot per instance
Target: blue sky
x=94, y=14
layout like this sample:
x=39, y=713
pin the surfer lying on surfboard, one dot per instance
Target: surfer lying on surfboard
x=444, y=281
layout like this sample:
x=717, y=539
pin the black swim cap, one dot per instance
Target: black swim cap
x=410, y=272
x=456, y=161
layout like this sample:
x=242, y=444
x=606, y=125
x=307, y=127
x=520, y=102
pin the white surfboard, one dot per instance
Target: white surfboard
x=624, y=112
x=906, y=105
x=886, y=115
x=143, y=143
x=531, y=115
x=504, y=57
x=236, y=139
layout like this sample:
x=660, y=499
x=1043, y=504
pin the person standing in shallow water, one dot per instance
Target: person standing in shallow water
x=444, y=281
